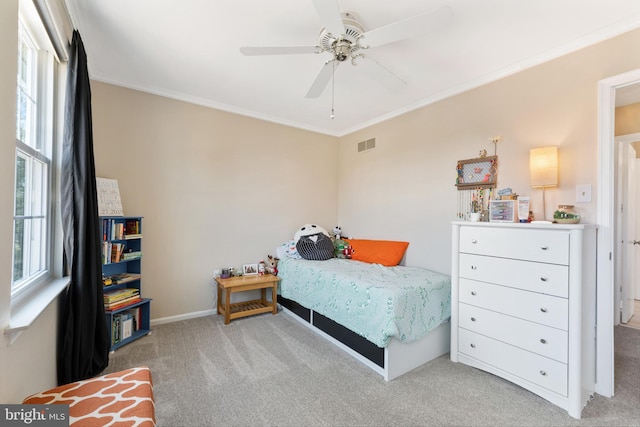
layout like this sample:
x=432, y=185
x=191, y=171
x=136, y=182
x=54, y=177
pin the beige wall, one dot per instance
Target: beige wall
x=216, y=189
x=627, y=121
x=404, y=189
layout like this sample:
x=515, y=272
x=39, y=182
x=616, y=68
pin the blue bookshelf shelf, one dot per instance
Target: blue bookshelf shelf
x=127, y=313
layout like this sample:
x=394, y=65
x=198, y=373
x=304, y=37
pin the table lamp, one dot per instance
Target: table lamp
x=543, y=166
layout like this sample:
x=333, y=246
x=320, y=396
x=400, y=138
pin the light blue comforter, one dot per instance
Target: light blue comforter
x=374, y=301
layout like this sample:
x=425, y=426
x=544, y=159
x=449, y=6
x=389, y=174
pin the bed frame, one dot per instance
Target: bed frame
x=392, y=361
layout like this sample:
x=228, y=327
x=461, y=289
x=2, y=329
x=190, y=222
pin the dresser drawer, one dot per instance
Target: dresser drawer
x=537, y=369
x=531, y=245
x=543, y=340
x=539, y=308
x=549, y=279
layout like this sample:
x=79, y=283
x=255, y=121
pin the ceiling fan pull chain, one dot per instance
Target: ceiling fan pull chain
x=333, y=87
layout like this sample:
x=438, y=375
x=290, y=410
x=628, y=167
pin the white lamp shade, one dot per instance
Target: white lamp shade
x=543, y=166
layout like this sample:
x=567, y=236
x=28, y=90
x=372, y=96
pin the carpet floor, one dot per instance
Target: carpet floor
x=271, y=370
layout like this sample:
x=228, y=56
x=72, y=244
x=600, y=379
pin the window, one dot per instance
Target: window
x=32, y=226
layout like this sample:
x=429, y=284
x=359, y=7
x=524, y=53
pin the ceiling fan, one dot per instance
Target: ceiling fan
x=343, y=37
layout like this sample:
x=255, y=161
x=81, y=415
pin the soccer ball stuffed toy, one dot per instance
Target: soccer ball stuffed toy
x=314, y=243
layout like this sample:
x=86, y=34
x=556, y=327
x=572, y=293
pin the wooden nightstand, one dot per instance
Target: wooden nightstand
x=247, y=308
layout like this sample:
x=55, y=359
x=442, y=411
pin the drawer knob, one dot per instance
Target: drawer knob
x=543, y=373
x=544, y=279
x=473, y=293
x=544, y=248
x=543, y=341
x=473, y=319
x=473, y=346
x=474, y=241
x=473, y=267
x=542, y=309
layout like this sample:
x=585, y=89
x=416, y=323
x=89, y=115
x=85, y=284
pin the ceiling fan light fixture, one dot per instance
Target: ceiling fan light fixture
x=342, y=50
x=343, y=37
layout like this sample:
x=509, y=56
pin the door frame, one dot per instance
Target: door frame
x=607, y=227
x=623, y=262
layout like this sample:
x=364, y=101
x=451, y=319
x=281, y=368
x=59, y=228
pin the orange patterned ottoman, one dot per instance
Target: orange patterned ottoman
x=122, y=398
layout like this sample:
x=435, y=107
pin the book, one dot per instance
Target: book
x=121, y=304
x=119, y=295
x=118, y=279
x=135, y=315
x=132, y=229
x=131, y=255
x=115, y=330
x=121, y=301
x=126, y=322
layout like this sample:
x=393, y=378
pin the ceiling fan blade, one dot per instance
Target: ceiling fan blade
x=278, y=50
x=381, y=74
x=323, y=78
x=408, y=28
x=329, y=12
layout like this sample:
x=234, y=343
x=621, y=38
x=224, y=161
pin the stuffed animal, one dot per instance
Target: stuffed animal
x=272, y=265
x=342, y=249
x=309, y=230
x=314, y=243
x=337, y=232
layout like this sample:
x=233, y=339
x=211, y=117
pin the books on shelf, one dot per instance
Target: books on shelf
x=116, y=252
x=119, y=298
x=117, y=229
x=125, y=324
x=120, y=294
x=119, y=279
x=131, y=255
x=132, y=229
x=122, y=304
x=112, y=252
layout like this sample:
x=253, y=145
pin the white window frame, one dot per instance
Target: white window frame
x=33, y=296
x=36, y=151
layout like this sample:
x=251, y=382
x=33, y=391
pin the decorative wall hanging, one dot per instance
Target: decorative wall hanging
x=481, y=172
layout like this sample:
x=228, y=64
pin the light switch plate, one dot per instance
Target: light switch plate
x=583, y=193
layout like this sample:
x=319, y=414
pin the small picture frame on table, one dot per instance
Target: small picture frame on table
x=250, y=269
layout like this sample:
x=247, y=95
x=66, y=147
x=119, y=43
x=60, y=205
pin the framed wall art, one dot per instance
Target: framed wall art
x=481, y=172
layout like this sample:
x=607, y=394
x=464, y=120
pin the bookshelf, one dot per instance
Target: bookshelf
x=127, y=313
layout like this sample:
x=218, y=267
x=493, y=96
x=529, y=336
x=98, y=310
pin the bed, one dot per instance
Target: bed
x=391, y=318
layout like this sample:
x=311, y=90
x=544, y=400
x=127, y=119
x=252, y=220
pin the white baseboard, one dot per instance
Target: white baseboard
x=180, y=317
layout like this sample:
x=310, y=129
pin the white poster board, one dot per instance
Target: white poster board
x=109, y=203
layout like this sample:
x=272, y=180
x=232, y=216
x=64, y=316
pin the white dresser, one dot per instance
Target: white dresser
x=523, y=302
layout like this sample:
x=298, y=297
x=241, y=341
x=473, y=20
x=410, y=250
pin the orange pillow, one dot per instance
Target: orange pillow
x=385, y=252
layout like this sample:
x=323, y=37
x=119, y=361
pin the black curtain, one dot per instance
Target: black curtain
x=83, y=338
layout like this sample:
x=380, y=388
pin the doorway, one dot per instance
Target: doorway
x=626, y=217
x=608, y=226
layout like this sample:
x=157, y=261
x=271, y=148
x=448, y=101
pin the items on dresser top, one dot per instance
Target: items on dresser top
x=523, y=306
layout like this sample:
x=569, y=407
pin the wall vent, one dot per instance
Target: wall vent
x=367, y=145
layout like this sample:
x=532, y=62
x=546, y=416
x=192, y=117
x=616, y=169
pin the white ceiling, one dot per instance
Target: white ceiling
x=189, y=50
